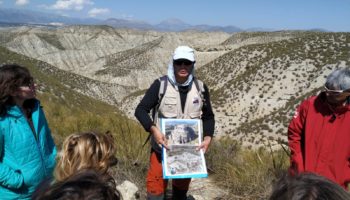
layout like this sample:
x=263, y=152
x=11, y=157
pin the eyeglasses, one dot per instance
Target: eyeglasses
x=335, y=91
x=185, y=62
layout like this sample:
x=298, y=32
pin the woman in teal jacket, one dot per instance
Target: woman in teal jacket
x=27, y=150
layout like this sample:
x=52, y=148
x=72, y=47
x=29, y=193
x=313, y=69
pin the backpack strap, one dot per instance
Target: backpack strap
x=162, y=89
x=147, y=139
x=200, y=87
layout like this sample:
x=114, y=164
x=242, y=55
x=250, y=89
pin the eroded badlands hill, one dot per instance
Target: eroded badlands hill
x=256, y=87
x=255, y=79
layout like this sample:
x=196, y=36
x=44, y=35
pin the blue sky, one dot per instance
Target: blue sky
x=333, y=15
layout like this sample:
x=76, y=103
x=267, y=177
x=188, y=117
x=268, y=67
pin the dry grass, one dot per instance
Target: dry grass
x=247, y=174
x=129, y=136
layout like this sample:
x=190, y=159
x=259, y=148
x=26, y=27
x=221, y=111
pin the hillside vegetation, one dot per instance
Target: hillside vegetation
x=70, y=112
x=255, y=79
x=115, y=56
x=255, y=88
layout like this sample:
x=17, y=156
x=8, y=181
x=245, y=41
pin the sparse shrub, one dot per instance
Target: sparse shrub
x=133, y=159
x=248, y=174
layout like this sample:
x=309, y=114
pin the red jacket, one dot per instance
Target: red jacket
x=319, y=140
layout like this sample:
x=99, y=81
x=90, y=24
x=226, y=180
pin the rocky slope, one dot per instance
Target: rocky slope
x=120, y=56
x=257, y=84
x=256, y=87
x=256, y=79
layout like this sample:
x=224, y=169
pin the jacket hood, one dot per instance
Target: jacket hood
x=16, y=111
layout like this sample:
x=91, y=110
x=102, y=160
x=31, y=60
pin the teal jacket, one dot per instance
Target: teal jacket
x=26, y=158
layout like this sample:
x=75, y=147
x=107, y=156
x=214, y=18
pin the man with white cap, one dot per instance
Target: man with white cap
x=177, y=95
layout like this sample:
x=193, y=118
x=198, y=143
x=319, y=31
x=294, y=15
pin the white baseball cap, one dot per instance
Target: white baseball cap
x=184, y=52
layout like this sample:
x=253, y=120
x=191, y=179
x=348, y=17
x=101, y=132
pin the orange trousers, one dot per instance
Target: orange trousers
x=156, y=185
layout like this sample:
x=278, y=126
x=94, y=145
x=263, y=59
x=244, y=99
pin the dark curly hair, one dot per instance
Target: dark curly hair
x=307, y=186
x=13, y=76
x=84, y=185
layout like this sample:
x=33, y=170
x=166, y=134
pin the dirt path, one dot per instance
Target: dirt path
x=205, y=189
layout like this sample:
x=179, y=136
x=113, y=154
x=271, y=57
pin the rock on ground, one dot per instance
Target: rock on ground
x=128, y=191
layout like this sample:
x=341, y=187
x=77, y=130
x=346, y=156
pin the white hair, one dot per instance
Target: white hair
x=339, y=79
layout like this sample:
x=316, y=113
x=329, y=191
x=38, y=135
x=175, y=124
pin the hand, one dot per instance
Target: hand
x=159, y=137
x=205, y=144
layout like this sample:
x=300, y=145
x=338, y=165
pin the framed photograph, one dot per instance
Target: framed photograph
x=182, y=160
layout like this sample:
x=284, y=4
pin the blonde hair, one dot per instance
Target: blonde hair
x=88, y=150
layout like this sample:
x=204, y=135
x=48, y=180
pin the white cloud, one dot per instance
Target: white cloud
x=98, y=11
x=71, y=4
x=21, y=2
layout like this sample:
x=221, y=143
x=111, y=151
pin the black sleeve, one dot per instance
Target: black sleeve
x=207, y=115
x=148, y=102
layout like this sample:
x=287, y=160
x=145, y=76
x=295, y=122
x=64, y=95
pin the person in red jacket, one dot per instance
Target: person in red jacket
x=319, y=133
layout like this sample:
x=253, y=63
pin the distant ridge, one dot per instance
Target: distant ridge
x=173, y=24
x=127, y=23
x=35, y=17
x=20, y=17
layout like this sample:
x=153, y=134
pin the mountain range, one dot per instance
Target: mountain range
x=20, y=16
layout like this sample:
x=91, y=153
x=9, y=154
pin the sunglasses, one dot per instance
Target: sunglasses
x=180, y=62
x=335, y=91
x=27, y=86
x=29, y=82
